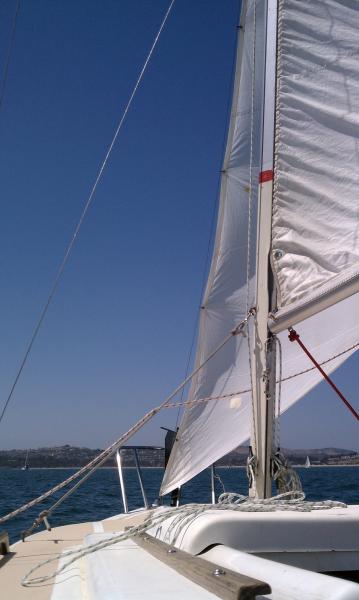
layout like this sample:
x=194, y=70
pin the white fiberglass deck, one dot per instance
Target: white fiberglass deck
x=125, y=571
x=320, y=540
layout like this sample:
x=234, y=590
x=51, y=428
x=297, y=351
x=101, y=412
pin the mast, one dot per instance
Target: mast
x=264, y=351
x=210, y=430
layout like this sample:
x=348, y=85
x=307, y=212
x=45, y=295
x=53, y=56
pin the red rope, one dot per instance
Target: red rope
x=294, y=337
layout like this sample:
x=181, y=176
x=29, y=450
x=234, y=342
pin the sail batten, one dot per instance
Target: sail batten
x=328, y=295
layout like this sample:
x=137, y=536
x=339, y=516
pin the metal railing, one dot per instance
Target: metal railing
x=135, y=450
x=120, y=467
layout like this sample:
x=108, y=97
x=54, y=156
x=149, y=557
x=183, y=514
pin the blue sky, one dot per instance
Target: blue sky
x=116, y=339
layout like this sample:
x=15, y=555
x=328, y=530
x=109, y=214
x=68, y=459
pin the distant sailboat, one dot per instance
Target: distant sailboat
x=307, y=463
x=26, y=466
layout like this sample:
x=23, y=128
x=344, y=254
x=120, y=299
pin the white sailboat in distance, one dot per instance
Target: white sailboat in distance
x=307, y=463
x=26, y=466
x=286, y=256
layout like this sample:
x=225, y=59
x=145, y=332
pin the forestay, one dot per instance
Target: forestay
x=210, y=430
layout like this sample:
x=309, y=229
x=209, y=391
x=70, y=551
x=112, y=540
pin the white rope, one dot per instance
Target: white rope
x=217, y=476
x=182, y=516
x=123, y=439
x=251, y=468
x=286, y=478
x=103, y=456
x=82, y=217
x=148, y=417
x=96, y=462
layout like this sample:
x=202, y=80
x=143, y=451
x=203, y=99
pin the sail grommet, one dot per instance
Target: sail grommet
x=277, y=254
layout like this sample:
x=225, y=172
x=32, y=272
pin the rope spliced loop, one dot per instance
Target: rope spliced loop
x=294, y=337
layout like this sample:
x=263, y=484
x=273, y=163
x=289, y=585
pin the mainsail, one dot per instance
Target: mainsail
x=315, y=203
x=315, y=222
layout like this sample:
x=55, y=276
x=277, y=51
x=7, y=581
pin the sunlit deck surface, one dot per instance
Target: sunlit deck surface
x=241, y=542
x=45, y=544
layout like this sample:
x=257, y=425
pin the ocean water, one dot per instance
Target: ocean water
x=100, y=496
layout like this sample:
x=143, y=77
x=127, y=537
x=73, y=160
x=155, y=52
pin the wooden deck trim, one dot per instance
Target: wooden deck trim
x=224, y=583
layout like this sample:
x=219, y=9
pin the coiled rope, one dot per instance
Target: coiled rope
x=284, y=476
x=182, y=516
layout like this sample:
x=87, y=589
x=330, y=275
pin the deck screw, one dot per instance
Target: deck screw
x=218, y=572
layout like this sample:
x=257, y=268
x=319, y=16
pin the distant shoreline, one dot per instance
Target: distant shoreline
x=153, y=457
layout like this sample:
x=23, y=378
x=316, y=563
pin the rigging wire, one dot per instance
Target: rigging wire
x=83, y=215
x=188, y=365
x=324, y=362
x=295, y=337
x=105, y=454
x=9, y=52
x=249, y=227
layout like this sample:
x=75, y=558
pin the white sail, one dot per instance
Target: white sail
x=314, y=200
x=210, y=430
x=26, y=465
x=315, y=225
x=315, y=208
x=315, y=203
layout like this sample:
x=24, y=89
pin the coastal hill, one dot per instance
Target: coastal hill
x=151, y=456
